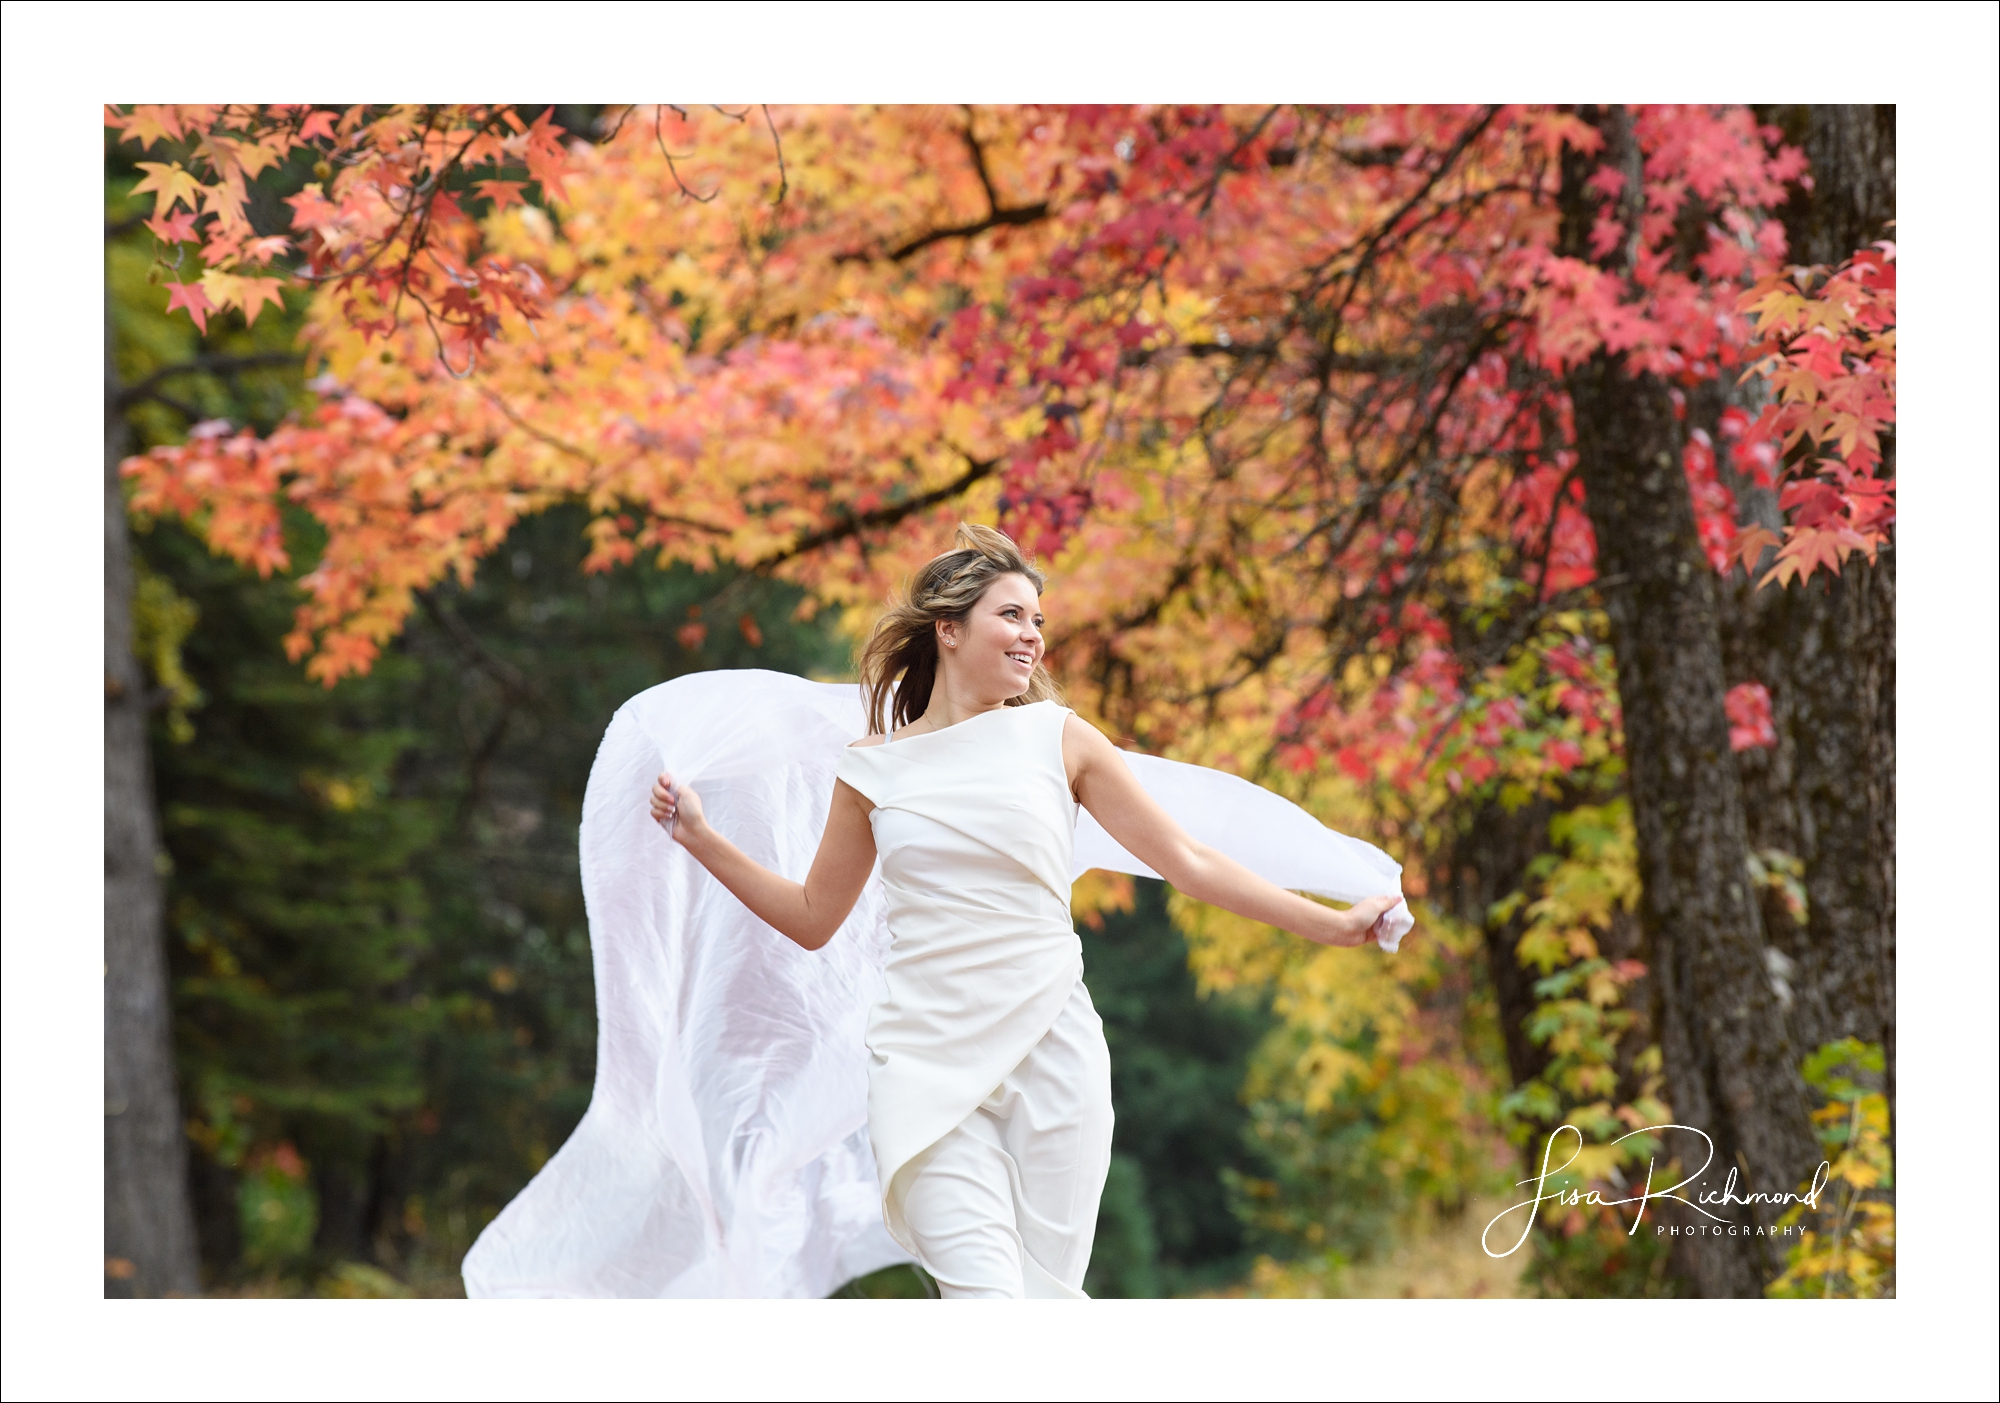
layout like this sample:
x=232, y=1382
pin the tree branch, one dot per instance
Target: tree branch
x=978, y=153
x=881, y=516
x=539, y=435
x=1228, y=162
x=612, y=135
x=1373, y=243
x=661, y=141
x=1024, y=214
x=207, y=365
x=180, y=406
x=510, y=678
x=784, y=181
x=997, y=215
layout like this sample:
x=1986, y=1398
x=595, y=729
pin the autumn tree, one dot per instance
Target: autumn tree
x=1825, y=789
x=150, y=1237
x=149, y=1225
x=1732, y=1065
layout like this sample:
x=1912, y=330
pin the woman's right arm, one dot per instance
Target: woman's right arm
x=807, y=912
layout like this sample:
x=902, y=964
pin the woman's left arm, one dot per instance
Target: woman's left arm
x=1104, y=784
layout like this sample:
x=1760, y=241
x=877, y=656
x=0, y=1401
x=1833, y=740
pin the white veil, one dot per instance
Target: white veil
x=725, y=1150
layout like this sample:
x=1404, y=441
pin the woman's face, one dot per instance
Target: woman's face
x=995, y=650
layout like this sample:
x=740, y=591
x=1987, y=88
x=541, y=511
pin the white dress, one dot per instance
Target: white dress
x=989, y=1086
x=746, y=1088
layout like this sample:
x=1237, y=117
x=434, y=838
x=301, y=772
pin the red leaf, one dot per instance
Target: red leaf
x=1562, y=754
x=1607, y=181
x=1748, y=707
x=190, y=297
x=175, y=228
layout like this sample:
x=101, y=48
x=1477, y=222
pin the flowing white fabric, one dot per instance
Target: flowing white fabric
x=725, y=1151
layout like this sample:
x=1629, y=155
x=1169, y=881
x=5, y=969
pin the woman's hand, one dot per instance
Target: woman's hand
x=808, y=912
x=678, y=808
x=1357, y=925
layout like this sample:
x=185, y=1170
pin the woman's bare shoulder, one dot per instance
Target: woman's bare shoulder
x=1076, y=729
x=865, y=742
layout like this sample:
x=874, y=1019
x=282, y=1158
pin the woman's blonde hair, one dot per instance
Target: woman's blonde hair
x=904, y=645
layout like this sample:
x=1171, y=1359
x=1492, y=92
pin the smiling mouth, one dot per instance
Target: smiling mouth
x=1025, y=659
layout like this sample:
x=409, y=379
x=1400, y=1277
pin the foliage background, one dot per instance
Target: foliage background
x=381, y=975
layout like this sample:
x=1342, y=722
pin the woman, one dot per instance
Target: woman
x=989, y=1094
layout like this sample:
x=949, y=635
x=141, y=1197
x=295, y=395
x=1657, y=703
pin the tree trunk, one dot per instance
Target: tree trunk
x=1731, y=1066
x=1489, y=860
x=1826, y=792
x=149, y=1241
x=1827, y=651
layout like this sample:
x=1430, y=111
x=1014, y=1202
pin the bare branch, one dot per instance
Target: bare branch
x=510, y=678
x=1387, y=226
x=430, y=320
x=1224, y=166
x=784, y=181
x=979, y=161
x=539, y=435
x=1025, y=214
x=180, y=407
x=590, y=459
x=612, y=135
x=661, y=141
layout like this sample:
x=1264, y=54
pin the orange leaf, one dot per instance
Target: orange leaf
x=502, y=192
x=1810, y=548
x=1751, y=542
x=256, y=292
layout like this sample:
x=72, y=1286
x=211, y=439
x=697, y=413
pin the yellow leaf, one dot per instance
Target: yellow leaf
x=168, y=184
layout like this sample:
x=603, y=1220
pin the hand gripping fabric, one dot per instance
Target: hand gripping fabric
x=725, y=1151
